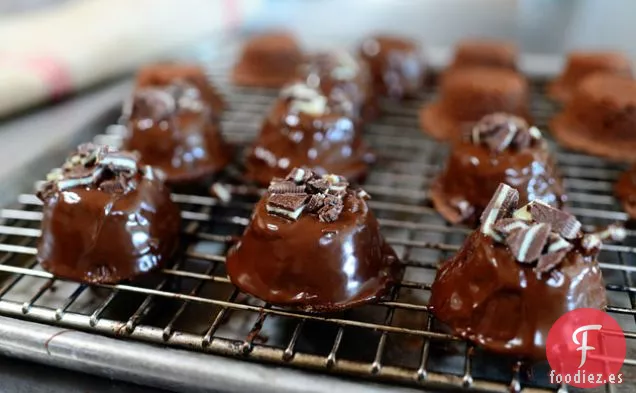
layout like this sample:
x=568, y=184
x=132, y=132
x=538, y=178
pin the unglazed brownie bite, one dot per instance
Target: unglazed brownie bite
x=501, y=148
x=469, y=94
x=307, y=128
x=165, y=74
x=337, y=72
x=516, y=275
x=267, y=60
x=106, y=218
x=173, y=123
x=582, y=64
x=600, y=119
x=313, y=244
x=396, y=64
x=485, y=53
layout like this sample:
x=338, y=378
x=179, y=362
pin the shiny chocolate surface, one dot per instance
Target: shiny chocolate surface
x=165, y=74
x=175, y=128
x=473, y=173
x=396, y=64
x=337, y=72
x=312, y=265
x=485, y=295
x=314, y=131
x=98, y=236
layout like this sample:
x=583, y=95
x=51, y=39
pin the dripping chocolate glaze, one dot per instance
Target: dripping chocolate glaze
x=330, y=256
x=106, y=218
x=516, y=275
x=307, y=128
x=500, y=148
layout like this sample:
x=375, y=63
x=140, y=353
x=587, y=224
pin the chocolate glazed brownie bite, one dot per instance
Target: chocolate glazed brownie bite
x=165, y=74
x=467, y=95
x=267, y=60
x=485, y=53
x=500, y=148
x=307, y=128
x=313, y=245
x=175, y=126
x=600, y=118
x=396, y=64
x=337, y=72
x=582, y=64
x=516, y=275
x=106, y=218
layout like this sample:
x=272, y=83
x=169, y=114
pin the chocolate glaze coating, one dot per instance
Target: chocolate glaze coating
x=268, y=60
x=173, y=123
x=581, y=64
x=600, y=118
x=469, y=94
x=338, y=72
x=165, y=74
x=396, y=65
x=312, y=265
x=473, y=173
x=330, y=142
x=94, y=235
x=485, y=53
x=483, y=294
x=625, y=190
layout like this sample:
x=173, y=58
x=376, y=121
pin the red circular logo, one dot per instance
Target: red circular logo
x=586, y=348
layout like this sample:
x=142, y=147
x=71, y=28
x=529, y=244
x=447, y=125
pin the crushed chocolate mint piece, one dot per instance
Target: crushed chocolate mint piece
x=501, y=205
x=115, y=186
x=221, y=192
x=121, y=161
x=500, y=131
x=506, y=226
x=300, y=175
x=362, y=194
x=332, y=200
x=330, y=213
x=318, y=185
x=96, y=166
x=556, y=243
x=613, y=232
x=527, y=244
x=286, y=187
x=562, y=222
x=303, y=190
x=535, y=133
x=316, y=202
x=45, y=191
x=591, y=244
x=523, y=213
x=286, y=205
x=549, y=261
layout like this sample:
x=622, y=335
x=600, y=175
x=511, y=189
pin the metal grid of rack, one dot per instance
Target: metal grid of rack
x=193, y=305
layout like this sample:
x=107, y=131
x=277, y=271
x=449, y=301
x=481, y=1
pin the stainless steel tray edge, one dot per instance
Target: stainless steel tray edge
x=163, y=367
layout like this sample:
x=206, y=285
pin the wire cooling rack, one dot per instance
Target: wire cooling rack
x=192, y=304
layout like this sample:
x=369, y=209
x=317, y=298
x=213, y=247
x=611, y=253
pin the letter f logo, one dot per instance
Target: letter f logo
x=583, y=344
